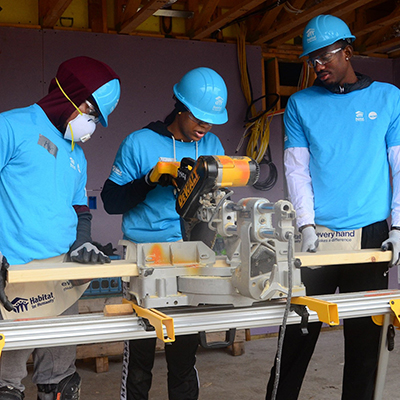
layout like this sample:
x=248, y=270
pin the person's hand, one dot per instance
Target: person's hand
x=162, y=180
x=393, y=243
x=89, y=253
x=310, y=239
x=163, y=173
x=3, y=278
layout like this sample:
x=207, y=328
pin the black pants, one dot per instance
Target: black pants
x=361, y=335
x=182, y=375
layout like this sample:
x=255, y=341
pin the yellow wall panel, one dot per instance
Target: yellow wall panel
x=75, y=16
x=19, y=12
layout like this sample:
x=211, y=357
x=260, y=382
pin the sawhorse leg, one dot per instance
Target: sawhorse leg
x=383, y=359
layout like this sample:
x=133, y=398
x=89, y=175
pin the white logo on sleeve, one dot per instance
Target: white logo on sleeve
x=372, y=115
x=116, y=170
x=359, y=116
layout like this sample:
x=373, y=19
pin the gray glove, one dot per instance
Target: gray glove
x=89, y=253
x=310, y=239
x=3, y=278
x=393, y=243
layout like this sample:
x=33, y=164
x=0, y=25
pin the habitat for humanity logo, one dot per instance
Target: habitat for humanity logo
x=21, y=304
x=310, y=35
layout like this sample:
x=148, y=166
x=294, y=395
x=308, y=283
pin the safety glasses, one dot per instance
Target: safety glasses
x=199, y=121
x=323, y=58
x=93, y=112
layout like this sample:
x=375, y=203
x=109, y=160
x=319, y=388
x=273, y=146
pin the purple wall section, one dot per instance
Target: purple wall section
x=396, y=71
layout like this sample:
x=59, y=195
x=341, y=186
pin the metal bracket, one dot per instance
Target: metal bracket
x=395, y=307
x=303, y=313
x=327, y=311
x=157, y=319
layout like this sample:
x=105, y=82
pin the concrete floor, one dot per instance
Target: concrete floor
x=223, y=376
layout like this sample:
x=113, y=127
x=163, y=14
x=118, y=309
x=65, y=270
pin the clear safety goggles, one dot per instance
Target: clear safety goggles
x=92, y=112
x=199, y=121
x=323, y=59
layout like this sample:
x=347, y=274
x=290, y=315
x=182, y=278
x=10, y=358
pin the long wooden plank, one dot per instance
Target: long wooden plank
x=342, y=257
x=39, y=272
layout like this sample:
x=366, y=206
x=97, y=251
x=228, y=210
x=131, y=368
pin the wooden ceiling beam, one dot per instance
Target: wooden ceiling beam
x=390, y=19
x=337, y=8
x=50, y=11
x=392, y=44
x=268, y=19
x=139, y=17
x=130, y=10
x=237, y=11
x=97, y=12
x=205, y=14
x=298, y=22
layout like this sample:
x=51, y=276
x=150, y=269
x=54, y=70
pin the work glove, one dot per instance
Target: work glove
x=88, y=253
x=163, y=180
x=3, y=278
x=393, y=243
x=310, y=239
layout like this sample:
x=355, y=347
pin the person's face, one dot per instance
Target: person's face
x=86, y=108
x=191, y=128
x=331, y=64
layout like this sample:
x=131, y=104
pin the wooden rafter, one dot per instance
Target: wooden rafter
x=268, y=19
x=145, y=12
x=338, y=8
x=131, y=8
x=97, y=11
x=235, y=12
x=50, y=11
x=379, y=27
x=392, y=44
x=298, y=22
x=205, y=14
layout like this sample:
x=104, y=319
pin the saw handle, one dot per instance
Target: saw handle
x=164, y=172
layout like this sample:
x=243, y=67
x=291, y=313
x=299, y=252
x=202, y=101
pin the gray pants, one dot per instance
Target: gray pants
x=50, y=365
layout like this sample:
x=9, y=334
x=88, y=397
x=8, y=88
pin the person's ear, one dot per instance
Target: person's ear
x=348, y=52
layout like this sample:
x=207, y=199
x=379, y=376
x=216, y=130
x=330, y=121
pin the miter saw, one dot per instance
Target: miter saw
x=258, y=237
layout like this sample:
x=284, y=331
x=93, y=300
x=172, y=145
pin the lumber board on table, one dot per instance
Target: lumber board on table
x=36, y=271
x=39, y=272
x=339, y=257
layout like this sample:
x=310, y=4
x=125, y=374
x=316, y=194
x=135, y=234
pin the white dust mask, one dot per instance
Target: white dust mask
x=81, y=128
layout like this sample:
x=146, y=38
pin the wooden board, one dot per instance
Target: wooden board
x=342, y=257
x=38, y=272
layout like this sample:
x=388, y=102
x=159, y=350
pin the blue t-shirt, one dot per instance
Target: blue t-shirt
x=347, y=136
x=155, y=219
x=41, y=179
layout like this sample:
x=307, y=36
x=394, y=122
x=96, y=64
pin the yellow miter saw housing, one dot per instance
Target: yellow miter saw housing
x=258, y=237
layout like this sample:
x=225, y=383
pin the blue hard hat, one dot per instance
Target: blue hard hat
x=107, y=97
x=204, y=94
x=323, y=31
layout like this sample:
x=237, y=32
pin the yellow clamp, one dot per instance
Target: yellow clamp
x=156, y=319
x=164, y=167
x=327, y=311
x=2, y=342
x=395, y=306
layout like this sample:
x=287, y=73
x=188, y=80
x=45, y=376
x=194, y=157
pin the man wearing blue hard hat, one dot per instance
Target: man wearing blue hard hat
x=342, y=136
x=44, y=214
x=149, y=213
